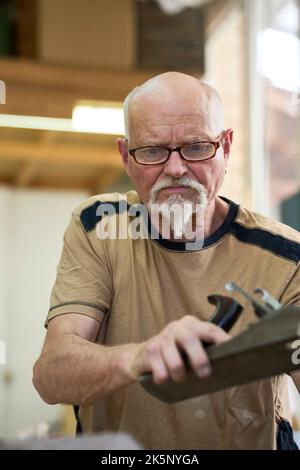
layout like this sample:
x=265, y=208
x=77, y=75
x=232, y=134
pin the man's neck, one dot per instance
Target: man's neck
x=215, y=215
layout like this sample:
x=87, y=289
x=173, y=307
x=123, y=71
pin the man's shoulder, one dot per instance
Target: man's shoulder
x=131, y=197
x=269, y=234
x=255, y=221
x=88, y=211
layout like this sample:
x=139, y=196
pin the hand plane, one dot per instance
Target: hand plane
x=266, y=348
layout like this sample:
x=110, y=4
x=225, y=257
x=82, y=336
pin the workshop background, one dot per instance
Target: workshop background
x=63, y=62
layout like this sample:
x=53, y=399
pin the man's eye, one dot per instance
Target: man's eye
x=196, y=147
x=152, y=150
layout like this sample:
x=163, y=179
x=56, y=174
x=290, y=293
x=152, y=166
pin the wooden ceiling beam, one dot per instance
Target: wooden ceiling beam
x=40, y=89
x=34, y=73
x=102, y=156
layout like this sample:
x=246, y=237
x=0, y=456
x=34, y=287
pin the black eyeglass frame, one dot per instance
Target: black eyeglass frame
x=177, y=149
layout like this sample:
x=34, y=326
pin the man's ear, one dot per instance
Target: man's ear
x=228, y=139
x=123, y=151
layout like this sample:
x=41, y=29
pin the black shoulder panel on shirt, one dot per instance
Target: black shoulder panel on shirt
x=277, y=244
x=92, y=215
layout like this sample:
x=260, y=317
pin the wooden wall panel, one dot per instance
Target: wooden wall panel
x=87, y=32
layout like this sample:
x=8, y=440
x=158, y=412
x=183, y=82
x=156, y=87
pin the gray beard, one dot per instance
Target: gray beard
x=177, y=216
x=176, y=211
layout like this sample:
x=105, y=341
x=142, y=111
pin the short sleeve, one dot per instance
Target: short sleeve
x=83, y=283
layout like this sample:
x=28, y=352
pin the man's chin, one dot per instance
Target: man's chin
x=176, y=199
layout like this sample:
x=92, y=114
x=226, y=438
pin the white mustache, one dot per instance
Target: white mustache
x=168, y=182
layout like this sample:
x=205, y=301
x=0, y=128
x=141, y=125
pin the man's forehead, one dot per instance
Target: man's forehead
x=187, y=123
x=167, y=131
x=172, y=99
x=189, y=119
x=156, y=112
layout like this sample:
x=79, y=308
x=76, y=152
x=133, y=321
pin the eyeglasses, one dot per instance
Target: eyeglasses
x=195, y=152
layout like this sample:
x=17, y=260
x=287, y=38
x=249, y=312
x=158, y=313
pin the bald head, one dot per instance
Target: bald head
x=174, y=90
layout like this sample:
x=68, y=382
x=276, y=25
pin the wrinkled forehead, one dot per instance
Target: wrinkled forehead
x=165, y=107
x=165, y=101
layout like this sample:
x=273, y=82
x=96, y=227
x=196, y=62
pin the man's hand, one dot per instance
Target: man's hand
x=162, y=356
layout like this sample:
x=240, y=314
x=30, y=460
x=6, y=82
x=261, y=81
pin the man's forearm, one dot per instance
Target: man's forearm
x=76, y=371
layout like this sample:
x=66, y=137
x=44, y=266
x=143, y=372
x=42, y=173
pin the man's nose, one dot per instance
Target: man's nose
x=175, y=166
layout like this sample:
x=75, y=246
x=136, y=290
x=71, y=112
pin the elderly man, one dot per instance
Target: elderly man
x=124, y=306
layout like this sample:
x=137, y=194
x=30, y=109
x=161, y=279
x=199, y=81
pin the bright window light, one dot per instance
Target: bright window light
x=36, y=122
x=280, y=59
x=87, y=118
x=101, y=117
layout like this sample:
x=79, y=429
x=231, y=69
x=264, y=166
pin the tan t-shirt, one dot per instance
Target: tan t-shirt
x=134, y=287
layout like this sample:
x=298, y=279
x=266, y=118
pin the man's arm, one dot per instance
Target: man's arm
x=73, y=369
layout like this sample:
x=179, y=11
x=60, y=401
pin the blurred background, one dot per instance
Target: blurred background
x=65, y=67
